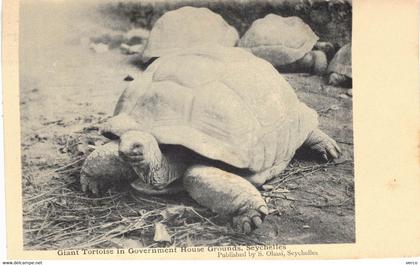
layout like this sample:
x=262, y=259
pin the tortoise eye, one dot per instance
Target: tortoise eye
x=110, y=135
x=137, y=146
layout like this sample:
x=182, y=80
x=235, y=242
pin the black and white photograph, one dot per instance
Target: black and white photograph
x=166, y=124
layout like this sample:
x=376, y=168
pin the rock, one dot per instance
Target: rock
x=343, y=96
x=41, y=136
x=267, y=187
x=133, y=49
x=282, y=190
x=99, y=48
x=334, y=107
x=42, y=160
x=83, y=149
x=136, y=49
x=127, y=242
x=292, y=186
x=112, y=39
x=124, y=48
x=350, y=92
x=161, y=233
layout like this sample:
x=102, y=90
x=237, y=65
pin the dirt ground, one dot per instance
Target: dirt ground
x=67, y=90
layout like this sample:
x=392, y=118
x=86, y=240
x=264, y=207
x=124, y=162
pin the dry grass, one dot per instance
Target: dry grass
x=58, y=215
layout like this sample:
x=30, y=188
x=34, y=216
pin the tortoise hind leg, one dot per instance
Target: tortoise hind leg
x=320, y=62
x=227, y=194
x=323, y=144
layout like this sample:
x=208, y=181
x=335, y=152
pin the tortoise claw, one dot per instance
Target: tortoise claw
x=250, y=219
x=94, y=185
x=324, y=145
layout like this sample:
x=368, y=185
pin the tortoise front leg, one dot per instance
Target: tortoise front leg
x=104, y=168
x=155, y=169
x=227, y=194
x=315, y=61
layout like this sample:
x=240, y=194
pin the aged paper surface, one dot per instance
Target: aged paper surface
x=376, y=211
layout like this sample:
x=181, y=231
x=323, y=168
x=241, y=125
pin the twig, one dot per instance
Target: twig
x=343, y=142
x=44, y=222
x=106, y=237
x=118, y=195
x=293, y=171
x=60, y=231
x=286, y=179
x=281, y=196
x=137, y=198
x=329, y=205
x=32, y=206
x=45, y=193
x=57, y=170
x=248, y=239
x=317, y=194
x=75, y=232
x=202, y=217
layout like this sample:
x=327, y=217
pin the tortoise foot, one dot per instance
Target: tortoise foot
x=104, y=168
x=94, y=185
x=323, y=144
x=249, y=219
x=139, y=149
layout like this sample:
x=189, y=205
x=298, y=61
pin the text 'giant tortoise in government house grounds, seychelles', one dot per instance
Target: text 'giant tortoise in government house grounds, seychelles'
x=213, y=120
x=186, y=27
x=340, y=67
x=288, y=43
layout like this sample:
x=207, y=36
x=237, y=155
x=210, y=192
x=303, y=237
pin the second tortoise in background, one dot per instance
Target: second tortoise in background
x=340, y=69
x=288, y=43
x=185, y=27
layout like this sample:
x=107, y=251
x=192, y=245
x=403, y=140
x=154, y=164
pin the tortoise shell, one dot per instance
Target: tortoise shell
x=185, y=27
x=341, y=63
x=279, y=40
x=223, y=103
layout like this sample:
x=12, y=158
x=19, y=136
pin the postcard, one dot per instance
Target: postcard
x=223, y=129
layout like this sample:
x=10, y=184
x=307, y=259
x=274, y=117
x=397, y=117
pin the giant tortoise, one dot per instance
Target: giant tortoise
x=340, y=71
x=215, y=121
x=288, y=43
x=185, y=27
